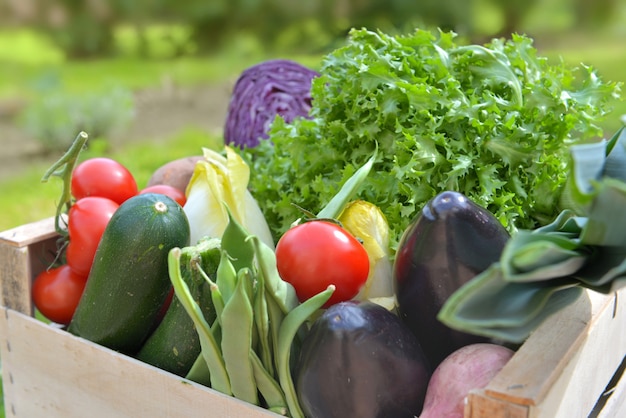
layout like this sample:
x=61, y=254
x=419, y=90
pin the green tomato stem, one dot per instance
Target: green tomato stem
x=63, y=168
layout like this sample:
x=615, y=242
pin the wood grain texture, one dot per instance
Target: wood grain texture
x=50, y=373
x=564, y=366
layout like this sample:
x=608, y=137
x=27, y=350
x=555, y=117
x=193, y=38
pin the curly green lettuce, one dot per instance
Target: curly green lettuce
x=492, y=121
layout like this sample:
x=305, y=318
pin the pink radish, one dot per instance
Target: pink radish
x=470, y=367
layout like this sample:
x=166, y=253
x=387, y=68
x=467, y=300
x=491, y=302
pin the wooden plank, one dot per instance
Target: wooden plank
x=615, y=403
x=50, y=373
x=25, y=235
x=480, y=405
x=564, y=366
x=25, y=251
x=14, y=290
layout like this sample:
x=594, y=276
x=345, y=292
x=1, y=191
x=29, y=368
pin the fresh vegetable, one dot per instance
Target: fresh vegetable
x=170, y=191
x=174, y=345
x=447, y=244
x=129, y=279
x=542, y=270
x=218, y=185
x=315, y=254
x=490, y=121
x=359, y=360
x=103, y=177
x=87, y=219
x=468, y=368
x=246, y=350
x=263, y=91
x=56, y=293
x=176, y=173
x=366, y=221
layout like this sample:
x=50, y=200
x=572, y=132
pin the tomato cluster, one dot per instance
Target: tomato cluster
x=98, y=187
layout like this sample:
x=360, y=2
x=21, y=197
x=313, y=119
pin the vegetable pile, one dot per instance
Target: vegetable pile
x=373, y=239
x=492, y=122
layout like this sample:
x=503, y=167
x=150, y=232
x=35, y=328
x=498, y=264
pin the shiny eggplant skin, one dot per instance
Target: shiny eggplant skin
x=360, y=360
x=450, y=241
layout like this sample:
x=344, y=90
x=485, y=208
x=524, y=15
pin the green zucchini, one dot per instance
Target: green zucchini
x=174, y=345
x=129, y=281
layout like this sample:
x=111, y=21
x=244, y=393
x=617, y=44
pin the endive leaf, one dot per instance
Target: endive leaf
x=219, y=184
x=366, y=221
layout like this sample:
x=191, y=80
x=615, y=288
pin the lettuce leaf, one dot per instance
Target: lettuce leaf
x=493, y=122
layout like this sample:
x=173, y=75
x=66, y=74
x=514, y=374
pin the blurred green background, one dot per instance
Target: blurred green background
x=150, y=80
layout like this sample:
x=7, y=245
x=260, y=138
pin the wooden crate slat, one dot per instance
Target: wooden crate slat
x=564, y=366
x=28, y=234
x=51, y=373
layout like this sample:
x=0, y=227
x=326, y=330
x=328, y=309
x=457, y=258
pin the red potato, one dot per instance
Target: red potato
x=176, y=173
x=470, y=367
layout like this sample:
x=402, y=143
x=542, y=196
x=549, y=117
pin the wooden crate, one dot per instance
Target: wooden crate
x=569, y=367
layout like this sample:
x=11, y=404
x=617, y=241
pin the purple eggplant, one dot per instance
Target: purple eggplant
x=451, y=240
x=360, y=360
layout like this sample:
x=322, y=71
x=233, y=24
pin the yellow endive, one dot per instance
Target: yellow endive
x=366, y=222
x=220, y=182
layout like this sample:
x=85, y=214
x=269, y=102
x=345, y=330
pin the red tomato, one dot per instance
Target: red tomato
x=87, y=219
x=169, y=191
x=315, y=254
x=103, y=177
x=56, y=293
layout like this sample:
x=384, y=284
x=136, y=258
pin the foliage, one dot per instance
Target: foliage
x=57, y=116
x=488, y=121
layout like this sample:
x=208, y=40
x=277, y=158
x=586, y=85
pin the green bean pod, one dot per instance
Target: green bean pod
x=268, y=386
x=199, y=372
x=288, y=330
x=210, y=349
x=234, y=241
x=282, y=292
x=261, y=320
x=226, y=276
x=237, y=326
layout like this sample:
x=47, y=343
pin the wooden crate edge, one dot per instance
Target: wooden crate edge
x=49, y=372
x=568, y=351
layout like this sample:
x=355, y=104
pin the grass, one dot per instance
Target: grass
x=28, y=199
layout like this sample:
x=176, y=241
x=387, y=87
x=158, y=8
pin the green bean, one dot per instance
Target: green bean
x=199, y=372
x=216, y=295
x=268, y=386
x=261, y=320
x=334, y=208
x=226, y=276
x=282, y=292
x=235, y=244
x=210, y=349
x=288, y=330
x=237, y=324
x=275, y=318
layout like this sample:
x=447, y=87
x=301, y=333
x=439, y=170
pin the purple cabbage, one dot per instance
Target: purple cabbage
x=274, y=87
